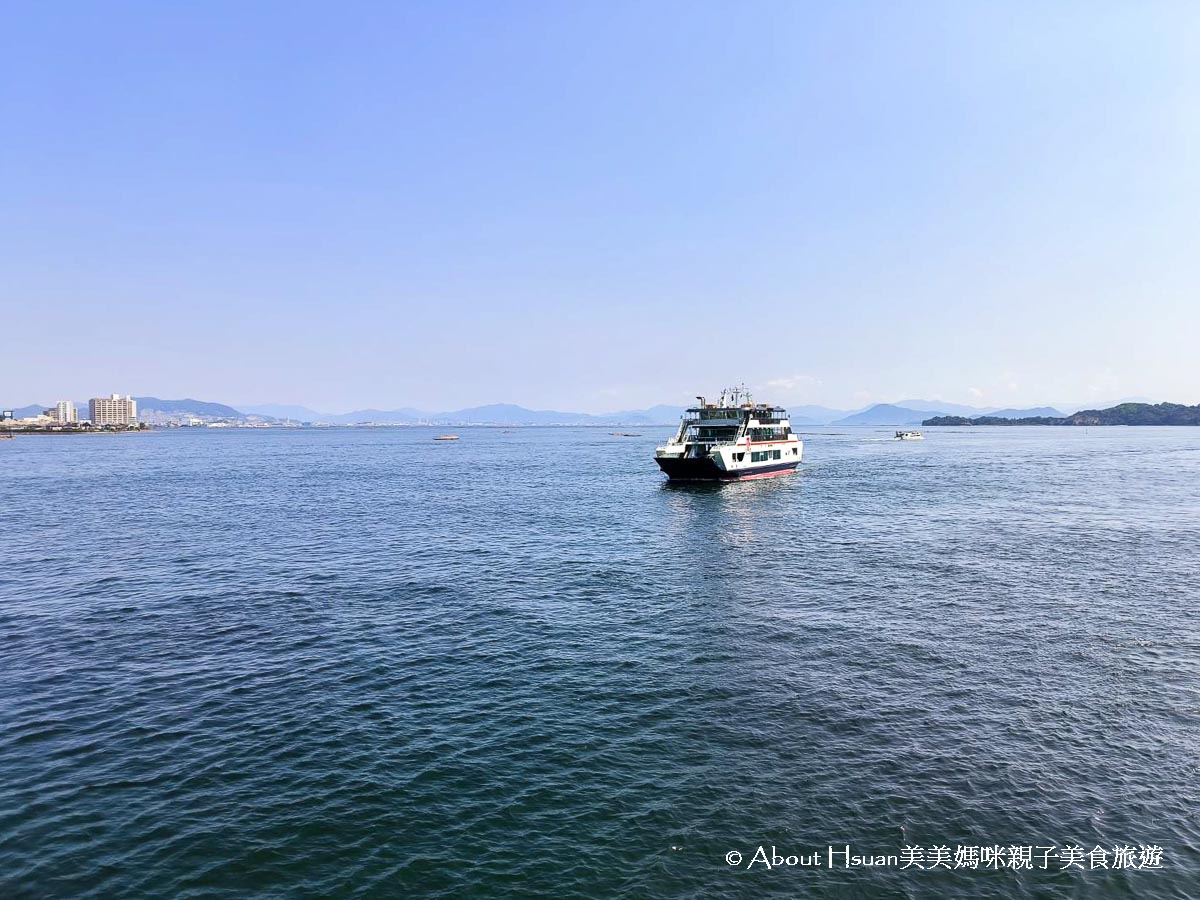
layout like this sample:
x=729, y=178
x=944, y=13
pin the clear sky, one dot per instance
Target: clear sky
x=599, y=205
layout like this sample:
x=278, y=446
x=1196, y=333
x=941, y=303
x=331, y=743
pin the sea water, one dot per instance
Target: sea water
x=358, y=662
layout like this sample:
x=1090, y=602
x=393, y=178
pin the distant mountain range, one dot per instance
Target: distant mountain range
x=24, y=412
x=910, y=412
x=941, y=406
x=896, y=414
x=1121, y=414
x=155, y=410
x=815, y=415
x=491, y=414
x=1026, y=413
x=883, y=414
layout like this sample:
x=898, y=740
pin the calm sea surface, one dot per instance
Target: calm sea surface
x=356, y=662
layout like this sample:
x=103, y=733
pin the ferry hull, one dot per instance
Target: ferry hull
x=680, y=469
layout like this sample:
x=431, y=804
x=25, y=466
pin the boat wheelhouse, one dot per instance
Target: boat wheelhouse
x=732, y=439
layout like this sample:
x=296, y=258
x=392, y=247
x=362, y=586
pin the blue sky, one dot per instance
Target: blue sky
x=600, y=205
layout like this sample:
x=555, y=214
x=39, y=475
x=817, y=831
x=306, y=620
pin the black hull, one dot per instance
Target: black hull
x=692, y=469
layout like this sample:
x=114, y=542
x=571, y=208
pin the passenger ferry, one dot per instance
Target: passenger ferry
x=732, y=439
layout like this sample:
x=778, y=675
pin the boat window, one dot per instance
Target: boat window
x=777, y=454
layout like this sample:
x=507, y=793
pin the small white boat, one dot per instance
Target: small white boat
x=446, y=437
x=909, y=436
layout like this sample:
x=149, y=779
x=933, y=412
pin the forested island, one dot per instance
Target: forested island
x=1123, y=414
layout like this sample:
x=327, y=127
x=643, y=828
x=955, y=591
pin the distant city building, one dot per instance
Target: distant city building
x=114, y=410
x=64, y=412
x=41, y=420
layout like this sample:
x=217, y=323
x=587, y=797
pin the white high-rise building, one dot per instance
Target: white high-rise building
x=114, y=410
x=65, y=412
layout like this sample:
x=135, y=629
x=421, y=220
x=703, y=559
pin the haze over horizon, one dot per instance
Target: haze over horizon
x=599, y=208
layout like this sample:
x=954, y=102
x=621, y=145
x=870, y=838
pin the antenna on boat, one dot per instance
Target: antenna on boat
x=739, y=393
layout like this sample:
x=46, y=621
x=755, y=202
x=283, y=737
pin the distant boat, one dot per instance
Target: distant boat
x=909, y=436
x=446, y=437
x=624, y=434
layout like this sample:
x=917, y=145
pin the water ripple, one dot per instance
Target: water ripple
x=356, y=663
